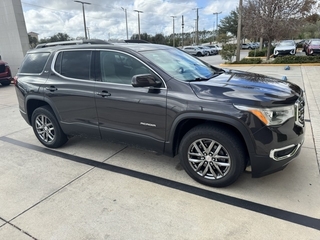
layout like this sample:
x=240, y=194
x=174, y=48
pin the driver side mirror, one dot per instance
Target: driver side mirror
x=145, y=80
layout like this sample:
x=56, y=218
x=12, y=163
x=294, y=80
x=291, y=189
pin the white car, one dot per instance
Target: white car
x=285, y=47
x=194, y=50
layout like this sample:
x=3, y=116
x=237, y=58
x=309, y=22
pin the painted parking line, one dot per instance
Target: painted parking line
x=288, y=216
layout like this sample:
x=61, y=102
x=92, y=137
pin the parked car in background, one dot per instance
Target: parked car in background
x=313, y=47
x=246, y=46
x=194, y=50
x=5, y=73
x=255, y=45
x=212, y=51
x=285, y=47
x=215, y=47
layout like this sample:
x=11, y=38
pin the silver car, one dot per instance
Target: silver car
x=285, y=47
x=193, y=50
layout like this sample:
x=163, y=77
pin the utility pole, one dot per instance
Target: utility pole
x=84, y=17
x=197, y=26
x=173, y=38
x=139, y=22
x=182, y=24
x=125, y=14
x=239, y=32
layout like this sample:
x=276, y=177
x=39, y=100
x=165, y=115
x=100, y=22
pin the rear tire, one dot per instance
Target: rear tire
x=46, y=128
x=212, y=156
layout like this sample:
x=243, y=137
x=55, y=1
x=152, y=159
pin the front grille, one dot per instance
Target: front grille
x=2, y=68
x=299, y=107
x=284, y=52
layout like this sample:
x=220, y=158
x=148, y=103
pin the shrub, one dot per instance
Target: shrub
x=297, y=59
x=228, y=52
x=249, y=61
x=258, y=53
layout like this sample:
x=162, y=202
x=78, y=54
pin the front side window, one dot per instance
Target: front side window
x=119, y=68
x=34, y=63
x=180, y=65
x=74, y=64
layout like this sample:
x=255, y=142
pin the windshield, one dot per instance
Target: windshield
x=181, y=65
x=286, y=43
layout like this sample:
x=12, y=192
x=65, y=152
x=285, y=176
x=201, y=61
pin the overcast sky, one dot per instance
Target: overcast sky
x=105, y=19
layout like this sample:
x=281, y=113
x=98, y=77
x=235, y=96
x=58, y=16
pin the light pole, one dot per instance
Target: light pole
x=139, y=21
x=125, y=13
x=173, y=17
x=84, y=17
x=88, y=32
x=217, y=14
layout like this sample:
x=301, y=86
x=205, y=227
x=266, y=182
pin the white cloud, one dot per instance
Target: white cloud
x=106, y=18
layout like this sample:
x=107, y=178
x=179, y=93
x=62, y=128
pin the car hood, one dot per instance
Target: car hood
x=284, y=48
x=247, y=88
x=314, y=46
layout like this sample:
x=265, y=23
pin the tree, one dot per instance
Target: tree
x=274, y=19
x=33, y=41
x=56, y=38
x=229, y=24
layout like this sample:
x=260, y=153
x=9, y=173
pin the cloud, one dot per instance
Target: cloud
x=107, y=19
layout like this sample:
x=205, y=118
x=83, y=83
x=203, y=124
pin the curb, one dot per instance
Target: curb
x=269, y=64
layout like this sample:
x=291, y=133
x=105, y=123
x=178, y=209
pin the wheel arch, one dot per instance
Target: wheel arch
x=34, y=103
x=186, y=122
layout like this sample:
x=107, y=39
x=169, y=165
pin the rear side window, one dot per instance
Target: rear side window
x=74, y=64
x=34, y=63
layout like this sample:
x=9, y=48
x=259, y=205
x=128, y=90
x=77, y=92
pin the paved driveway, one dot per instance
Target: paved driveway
x=92, y=189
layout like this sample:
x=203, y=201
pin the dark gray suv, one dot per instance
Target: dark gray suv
x=165, y=100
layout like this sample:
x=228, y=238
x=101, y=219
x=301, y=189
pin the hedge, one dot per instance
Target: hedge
x=258, y=53
x=297, y=59
x=249, y=61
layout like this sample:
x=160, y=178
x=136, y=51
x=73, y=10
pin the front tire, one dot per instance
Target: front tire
x=212, y=156
x=47, y=129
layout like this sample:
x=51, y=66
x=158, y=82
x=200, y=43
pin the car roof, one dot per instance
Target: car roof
x=137, y=47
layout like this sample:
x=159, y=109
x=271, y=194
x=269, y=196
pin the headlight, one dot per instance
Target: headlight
x=270, y=116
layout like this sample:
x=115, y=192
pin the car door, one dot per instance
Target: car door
x=136, y=116
x=70, y=92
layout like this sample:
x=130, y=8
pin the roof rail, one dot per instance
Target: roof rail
x=136, y=41
x=72, y=42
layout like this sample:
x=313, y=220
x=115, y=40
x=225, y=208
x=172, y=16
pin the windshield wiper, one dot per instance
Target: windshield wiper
x=199, y=79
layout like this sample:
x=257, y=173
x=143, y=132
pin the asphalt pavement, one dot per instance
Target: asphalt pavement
x=91, y=189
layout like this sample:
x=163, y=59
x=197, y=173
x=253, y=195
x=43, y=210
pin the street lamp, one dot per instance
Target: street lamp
x=217, y=14
x=84, y=17
x=125, y=13
x=139, y=21
x=173, y=17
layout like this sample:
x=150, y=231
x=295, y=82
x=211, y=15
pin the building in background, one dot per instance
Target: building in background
x=14, y=42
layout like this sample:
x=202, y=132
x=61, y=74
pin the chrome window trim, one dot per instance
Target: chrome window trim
x=101, y=49
x=68, y=50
